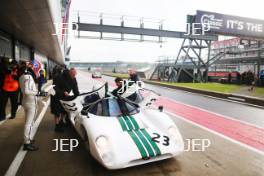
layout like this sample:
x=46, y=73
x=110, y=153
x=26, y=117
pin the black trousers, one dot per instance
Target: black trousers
x=14, y=103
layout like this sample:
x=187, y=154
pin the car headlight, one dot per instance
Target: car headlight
x=103, y=146
x=102, y=142
x=176, y=136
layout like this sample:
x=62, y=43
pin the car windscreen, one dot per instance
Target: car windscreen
x=113, y=107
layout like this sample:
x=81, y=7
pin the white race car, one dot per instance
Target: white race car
x=120, y=133
x=96, y=74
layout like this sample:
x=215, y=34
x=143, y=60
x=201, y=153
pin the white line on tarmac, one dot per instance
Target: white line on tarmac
x=8, y=116
x=238, y=99
x=218, y=134
x=13, y=168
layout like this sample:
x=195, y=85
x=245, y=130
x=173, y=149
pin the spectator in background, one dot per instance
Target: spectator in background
x=30, y=68
x=261, y=77
x=229, y=78
x=10, y=89
x=253, y=83
x=134, y=79
x=41, y=80
x=243, y=78
x=3, y=68
x=238, y=78
x=249, y=77
x=54, y=72
x=133, y=75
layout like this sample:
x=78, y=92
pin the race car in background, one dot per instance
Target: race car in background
x=96, y=72
x=120, y=133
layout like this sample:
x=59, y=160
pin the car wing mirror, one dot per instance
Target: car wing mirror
x=160, y=108
x=148, y=104
x=153, y=99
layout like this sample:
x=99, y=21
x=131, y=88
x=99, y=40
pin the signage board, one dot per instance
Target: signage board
x=231, y=25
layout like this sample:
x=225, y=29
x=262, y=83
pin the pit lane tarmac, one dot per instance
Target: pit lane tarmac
x=223, y=157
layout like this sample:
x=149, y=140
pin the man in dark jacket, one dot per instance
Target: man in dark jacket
x=64, y=84
x=133, y=76
x=67, y=83
x=134, y=79
x=121, y=87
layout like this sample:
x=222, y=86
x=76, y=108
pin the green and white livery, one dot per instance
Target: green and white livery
x=120, y=134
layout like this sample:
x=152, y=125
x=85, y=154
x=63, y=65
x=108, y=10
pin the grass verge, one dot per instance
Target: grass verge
x=121, y=75
x=215, y=87
x=259, y=92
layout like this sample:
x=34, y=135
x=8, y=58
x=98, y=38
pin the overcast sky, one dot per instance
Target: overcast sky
x=172, y=11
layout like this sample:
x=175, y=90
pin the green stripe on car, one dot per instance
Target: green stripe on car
x=134, y=122
x=138, y=144
x=154, y=145
x=145, y=142
x=146, y=146
x=122, y=123
x=129, y=124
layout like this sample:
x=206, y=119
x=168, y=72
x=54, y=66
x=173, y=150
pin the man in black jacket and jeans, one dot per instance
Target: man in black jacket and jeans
x=64, y=84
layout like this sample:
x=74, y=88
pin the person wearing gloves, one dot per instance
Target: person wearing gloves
x=29, y=103
x=64, y=84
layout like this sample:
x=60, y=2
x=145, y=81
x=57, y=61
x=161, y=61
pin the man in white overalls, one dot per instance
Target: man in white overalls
x=29, y=103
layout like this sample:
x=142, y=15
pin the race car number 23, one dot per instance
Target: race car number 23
x=164, y=140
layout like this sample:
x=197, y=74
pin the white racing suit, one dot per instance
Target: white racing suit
x=29, y=103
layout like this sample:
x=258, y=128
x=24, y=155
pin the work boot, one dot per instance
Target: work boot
x=30, y=147
x=58, y=128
